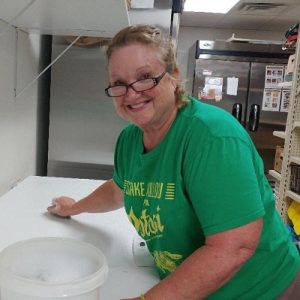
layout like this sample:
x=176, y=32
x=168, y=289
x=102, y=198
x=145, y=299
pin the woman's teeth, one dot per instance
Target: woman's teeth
x=138, y=105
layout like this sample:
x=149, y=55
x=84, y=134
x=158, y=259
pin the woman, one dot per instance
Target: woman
x=191, y=183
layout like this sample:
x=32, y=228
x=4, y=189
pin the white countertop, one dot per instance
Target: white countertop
x=23, y=215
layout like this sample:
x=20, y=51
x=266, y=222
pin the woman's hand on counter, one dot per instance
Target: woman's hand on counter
x=62, y=206
x=107, y=197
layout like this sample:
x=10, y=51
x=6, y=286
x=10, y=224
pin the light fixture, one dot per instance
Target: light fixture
x=217, y=6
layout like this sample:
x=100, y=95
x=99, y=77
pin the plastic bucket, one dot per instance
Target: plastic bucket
x=51, y=268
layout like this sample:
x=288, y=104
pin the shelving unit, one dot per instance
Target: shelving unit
x=291, y=153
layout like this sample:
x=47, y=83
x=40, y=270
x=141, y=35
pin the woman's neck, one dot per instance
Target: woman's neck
x=151, y=138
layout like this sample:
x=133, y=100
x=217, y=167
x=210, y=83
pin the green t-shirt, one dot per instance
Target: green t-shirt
x=203, y=178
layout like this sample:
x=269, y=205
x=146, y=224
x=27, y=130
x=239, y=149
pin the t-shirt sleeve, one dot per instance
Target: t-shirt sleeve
x=222, y=184
x=118, y=175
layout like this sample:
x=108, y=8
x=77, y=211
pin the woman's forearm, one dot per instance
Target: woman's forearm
x=105, y=198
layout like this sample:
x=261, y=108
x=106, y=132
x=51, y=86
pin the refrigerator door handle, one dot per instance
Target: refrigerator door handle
x=254, y=117
x=237, y=109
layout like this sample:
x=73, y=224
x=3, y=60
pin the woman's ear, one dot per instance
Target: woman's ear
x=176, y=73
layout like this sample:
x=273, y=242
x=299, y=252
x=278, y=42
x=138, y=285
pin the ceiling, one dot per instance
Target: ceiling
x=267, y=15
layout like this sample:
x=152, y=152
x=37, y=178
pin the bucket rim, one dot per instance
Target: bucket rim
x=39, y=288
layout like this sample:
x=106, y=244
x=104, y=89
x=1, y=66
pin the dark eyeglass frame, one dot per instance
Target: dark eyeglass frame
x=155, y=80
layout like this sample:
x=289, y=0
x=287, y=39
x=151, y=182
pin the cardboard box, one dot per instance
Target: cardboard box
x=278, y=159
x=295, y=178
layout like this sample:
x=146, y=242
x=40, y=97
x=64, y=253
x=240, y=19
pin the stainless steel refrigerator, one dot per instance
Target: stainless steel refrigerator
x=244, y=79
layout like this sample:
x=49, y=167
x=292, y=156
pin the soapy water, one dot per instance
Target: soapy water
x=53, y=266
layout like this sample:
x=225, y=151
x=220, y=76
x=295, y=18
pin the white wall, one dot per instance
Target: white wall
x=18, y=116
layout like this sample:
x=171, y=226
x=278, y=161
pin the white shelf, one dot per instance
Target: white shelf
x=296, y=124
x=293, y=196
x=295, y=159
x=275, y=174
x=233, y=38
x=65, y=17
x=280, y=134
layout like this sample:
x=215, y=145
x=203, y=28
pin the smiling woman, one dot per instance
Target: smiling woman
x=191, y=182
x=147, y=84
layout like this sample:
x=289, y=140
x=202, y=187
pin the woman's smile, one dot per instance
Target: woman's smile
x=139, y=106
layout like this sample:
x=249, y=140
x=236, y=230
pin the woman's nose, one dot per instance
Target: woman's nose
x=131, y=92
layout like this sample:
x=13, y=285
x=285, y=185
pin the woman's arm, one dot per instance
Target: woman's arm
x=211, y=266
x=105, y=198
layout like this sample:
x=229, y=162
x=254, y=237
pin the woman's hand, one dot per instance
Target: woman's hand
x=62, y=206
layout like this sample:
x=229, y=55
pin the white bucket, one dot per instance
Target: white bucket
x=51, y=268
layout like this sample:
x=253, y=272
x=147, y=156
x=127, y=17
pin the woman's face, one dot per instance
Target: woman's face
x=150, y=109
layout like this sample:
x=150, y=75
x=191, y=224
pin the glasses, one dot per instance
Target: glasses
x=137, y=86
